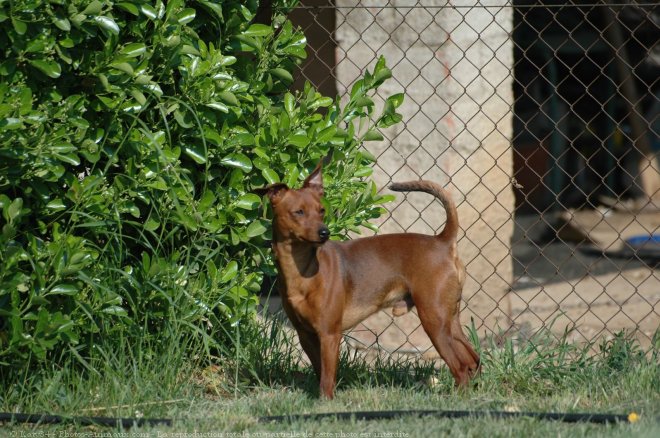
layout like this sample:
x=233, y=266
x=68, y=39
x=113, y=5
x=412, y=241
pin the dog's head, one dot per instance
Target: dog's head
x=298, y=214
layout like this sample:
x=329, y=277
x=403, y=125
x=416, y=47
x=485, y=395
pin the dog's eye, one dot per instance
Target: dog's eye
x=322, y=211
x=299, y=212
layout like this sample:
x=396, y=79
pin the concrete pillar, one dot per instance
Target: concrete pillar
x=454, y=62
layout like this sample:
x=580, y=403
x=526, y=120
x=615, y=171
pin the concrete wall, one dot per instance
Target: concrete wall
x=454, y=65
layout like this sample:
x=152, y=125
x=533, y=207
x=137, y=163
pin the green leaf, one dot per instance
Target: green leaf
x=108, y=24
x=196, y=153
x=373, y=135
x=19, y=26
x=322, y=102
x=242, y=139
x=215, y=8
x=229, y=272
x=64, y=289
x=326, y=134
x=389, y=120
x=67, y=43
x=385, y=199
x=363, y=172
x=68, y=158
x=4, y=201
x=296, y=51
x=270, y=176
x=154, y=88
x=138, y=96
x=78, y=261
x=218, y=107
x=7, y=67
x=256, y=228
x=63, y=54
x=213, y=136
x=63, y=147
x=298, y=140
x=227, y=60
x=282, y=74
x=212, y=269
x=130, y=207
x=110, y=103
x=289, y=103
x=259, y=30
x=172, y=40
x=49, y=68
x=133, y=49
x=228, y=97
x=78, y=19
x=115, y=310
x=182, y=119
x=123, y=66
x=292, y=174
x=207, y=200
x=151, y=224
x=93, y=8
x=149, y=11
x=238, y=161
x=363, y=101
x=246, y=43
x=367, y=155
x=129, y=7
x=10, y=123
x=186, y=16
x=382, y=75
x=247, y=14
x=56, y=205
x=35, y=46
x=158, y=184
x=248, y=201
x=357, y=89
x=14, y=209
x=395, y=100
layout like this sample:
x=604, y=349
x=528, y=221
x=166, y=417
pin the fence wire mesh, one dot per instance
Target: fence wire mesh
x=543, y=119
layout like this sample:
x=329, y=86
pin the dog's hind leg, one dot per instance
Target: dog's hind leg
x=439, y=320
x=464, y=344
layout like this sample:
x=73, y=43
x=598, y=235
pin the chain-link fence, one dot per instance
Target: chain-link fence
x=543, y=119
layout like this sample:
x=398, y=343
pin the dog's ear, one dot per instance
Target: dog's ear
x=315, y=179
x=273, y=191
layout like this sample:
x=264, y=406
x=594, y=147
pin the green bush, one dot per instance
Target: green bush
x=131, y=135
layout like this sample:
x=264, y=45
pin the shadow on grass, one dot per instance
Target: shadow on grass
x=270, y=355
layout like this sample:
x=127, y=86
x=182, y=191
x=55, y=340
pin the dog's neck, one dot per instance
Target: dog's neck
x=296, y=259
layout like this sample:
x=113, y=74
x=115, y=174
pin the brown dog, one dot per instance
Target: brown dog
x=328, y=287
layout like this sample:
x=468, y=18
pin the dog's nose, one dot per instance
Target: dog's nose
x=324, y=233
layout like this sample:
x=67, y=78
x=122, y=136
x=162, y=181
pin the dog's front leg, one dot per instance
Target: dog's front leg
x=312, y=346
x=329, y=362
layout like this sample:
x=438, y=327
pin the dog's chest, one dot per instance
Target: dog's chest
x=301, y=307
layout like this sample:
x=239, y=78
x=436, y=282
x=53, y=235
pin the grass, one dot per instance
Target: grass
x=265, y=377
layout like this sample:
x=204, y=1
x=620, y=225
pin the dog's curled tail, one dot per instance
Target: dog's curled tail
x=451, y=227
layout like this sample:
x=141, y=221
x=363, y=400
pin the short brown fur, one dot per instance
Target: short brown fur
x=328, y=287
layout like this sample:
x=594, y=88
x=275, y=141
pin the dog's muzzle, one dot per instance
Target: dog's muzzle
x=324, y=233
